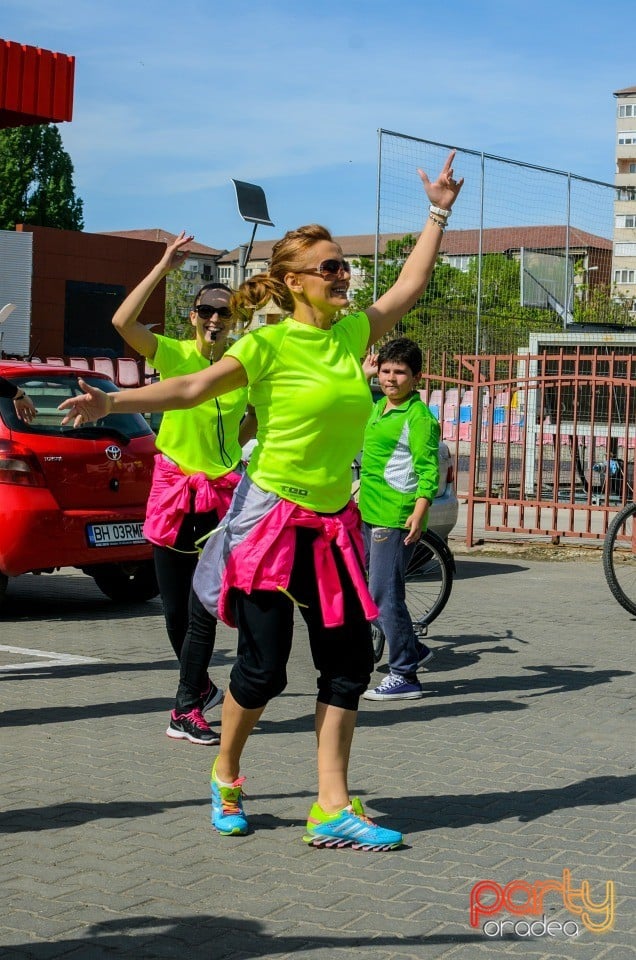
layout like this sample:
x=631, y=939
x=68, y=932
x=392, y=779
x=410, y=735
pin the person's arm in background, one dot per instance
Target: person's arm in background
x=370, y=365
x=126, y=318
x=175, y=393
x=24, y=406
x=249, y=424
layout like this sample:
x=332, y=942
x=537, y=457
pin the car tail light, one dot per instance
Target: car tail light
x=19, y=465
x=450, y=474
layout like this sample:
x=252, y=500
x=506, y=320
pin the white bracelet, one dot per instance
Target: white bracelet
x=440, y=211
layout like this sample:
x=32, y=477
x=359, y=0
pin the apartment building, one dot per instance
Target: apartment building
x=624, y=259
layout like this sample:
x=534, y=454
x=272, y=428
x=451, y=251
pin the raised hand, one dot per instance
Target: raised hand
x=444, y=191
x=175, y=252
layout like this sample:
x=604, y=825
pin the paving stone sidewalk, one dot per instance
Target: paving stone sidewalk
x=518, y=765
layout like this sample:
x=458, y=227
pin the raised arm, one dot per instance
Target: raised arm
x=126, y=321
x=175, y=393
x=419, y=265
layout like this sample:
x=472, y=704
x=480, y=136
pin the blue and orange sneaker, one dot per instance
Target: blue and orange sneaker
x=228, y=816
x=349, y=828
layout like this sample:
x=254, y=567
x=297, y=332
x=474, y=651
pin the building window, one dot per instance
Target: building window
x=624, y=221
x=626, y=193
x=225, y=273
x=627, y=110
x=627, y=136
x=625, y=250
x=632, y=168
x=624, y=276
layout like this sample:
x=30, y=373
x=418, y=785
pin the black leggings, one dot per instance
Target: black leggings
x=342, y=655
x=175, y=569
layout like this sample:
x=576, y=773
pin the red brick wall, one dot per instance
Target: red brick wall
x=61, y=255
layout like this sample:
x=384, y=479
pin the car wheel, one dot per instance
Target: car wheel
x=127, y=583
x=4, y=582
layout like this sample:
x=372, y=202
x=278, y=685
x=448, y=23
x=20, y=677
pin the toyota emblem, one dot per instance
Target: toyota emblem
x=113, y=452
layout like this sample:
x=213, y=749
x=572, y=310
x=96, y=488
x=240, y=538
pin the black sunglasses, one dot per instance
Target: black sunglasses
x=331, y=268
x=206, y=311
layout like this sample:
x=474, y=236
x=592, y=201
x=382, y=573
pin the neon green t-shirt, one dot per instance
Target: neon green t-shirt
x=312, y=402
x=195, y=438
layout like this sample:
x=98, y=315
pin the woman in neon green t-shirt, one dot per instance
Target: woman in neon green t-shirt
x=193, y=479
x=291, y=530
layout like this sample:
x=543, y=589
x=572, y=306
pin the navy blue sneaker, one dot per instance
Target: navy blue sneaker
x=395, y=687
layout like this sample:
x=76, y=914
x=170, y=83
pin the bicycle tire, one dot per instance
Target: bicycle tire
x=619, y=563
x=429, y=580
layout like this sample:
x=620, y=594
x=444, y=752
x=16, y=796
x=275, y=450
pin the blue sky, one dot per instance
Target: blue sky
x=174, y=99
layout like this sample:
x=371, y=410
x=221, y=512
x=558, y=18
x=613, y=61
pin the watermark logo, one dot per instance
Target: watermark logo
x=519, y=898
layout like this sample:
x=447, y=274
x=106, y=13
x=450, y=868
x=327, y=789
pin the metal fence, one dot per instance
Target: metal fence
x=544, y=444
x=528, y=249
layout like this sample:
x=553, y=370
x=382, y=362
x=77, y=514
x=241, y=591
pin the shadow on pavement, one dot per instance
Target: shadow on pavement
x=413, y=813
x=205, y=937
x=50, y=597
x=459, y=810
x=469, y=570
x=75, y=814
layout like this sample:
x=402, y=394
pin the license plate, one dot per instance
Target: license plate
x=115, y=534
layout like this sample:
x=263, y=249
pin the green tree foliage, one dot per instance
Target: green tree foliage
x=444, y=319
x=179, y=300
x=36, y=180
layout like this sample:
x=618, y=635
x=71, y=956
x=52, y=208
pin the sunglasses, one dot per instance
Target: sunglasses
x=206, y=311
x=331, y=268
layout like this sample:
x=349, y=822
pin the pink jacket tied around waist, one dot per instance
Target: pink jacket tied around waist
x=174, y=493
x=256, y=550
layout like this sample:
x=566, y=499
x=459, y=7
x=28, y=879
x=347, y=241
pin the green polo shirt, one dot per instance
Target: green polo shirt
x=400, y=462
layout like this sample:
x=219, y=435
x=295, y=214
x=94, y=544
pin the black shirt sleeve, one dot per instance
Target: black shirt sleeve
x=8, y=389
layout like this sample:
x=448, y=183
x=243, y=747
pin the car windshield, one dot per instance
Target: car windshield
x=48, y=391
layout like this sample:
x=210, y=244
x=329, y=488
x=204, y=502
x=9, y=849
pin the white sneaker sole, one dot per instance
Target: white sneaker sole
x=182, y=735
x=372, y=695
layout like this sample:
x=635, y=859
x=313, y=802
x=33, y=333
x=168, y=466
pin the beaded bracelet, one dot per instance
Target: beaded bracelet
x=440, y=221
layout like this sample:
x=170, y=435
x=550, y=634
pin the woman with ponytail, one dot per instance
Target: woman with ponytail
x=292, y=534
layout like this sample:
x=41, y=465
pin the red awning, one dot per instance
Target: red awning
x=36, y=86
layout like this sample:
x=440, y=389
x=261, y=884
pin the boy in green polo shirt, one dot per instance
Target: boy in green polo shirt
x=398, y=482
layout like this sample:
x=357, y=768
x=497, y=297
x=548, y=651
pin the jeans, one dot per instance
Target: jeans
x=387, y=560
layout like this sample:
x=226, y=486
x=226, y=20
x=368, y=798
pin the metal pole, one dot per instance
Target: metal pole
x=566, y=281
x=479, y=256
x=376, y=252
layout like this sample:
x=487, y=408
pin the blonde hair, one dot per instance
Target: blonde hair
x=288, y=255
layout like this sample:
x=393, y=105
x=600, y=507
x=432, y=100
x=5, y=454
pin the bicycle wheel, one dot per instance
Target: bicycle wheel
x=429, y=580
x=619, y=559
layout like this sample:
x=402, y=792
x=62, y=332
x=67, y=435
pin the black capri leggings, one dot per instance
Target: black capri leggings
x=343, y=656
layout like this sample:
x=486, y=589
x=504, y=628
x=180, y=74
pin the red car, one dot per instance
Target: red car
x=74, y=497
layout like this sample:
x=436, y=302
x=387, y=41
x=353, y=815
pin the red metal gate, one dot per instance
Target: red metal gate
x=544, y=445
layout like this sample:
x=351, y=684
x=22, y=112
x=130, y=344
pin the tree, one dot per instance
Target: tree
x=179, y=299
x=36, y=180
x=444, y=319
